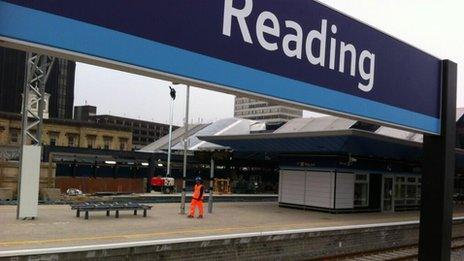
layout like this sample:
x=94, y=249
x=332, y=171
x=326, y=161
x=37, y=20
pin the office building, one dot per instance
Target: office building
x=84, y=112
x=60, y=84
x=269, y=112
x=143, y=132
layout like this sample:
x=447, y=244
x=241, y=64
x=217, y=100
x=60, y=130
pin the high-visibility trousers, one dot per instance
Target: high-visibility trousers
x=198, y=204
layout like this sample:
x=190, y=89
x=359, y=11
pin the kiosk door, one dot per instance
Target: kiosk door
x=388, y=203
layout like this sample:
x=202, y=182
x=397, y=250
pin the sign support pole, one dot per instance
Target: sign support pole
x=438, y=170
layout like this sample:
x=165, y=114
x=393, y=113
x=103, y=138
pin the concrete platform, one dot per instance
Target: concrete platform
x=57, y=226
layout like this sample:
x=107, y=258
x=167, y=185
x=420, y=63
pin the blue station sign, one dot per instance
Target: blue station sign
x=296, y=51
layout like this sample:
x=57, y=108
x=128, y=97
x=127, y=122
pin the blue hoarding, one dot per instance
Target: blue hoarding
x=298, y=51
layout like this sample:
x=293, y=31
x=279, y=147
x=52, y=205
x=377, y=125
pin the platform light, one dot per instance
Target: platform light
x=110, y=162
x=160, y=164
x=145, y=164
x=171, y=111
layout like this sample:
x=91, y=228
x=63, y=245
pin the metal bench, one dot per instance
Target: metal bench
x=87, y=207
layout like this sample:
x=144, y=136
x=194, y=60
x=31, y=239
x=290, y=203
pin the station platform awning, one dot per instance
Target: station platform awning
x=355, y=142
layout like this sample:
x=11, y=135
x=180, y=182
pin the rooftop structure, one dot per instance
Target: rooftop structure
x=229, y=126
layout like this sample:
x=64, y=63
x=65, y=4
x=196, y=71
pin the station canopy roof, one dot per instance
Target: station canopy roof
x=162, y=144
x=330, y=135
x=319, y=135
x=229, y=126
x=316, y=124
x=356, y=142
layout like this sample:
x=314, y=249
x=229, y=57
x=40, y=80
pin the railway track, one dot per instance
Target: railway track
x=397, y=254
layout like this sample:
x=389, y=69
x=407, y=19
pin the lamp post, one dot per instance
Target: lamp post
x=172, y=93
x=184, y=169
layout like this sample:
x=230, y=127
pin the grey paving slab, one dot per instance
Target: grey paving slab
x=58, y=226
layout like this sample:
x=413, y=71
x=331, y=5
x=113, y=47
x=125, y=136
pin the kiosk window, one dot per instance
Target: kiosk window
x=361, y=190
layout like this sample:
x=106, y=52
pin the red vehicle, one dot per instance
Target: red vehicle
x=163, y=184
x=157, y=181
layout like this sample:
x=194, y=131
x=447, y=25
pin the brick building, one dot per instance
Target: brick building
x=68, y=133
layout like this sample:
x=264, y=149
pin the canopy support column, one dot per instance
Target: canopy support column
x=38, y=68
x=438, y=171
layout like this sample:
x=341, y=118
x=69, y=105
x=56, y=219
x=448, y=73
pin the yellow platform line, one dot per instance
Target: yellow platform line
x=166, y=233
x=247, y=229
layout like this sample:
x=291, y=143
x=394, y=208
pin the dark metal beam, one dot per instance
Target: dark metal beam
x=438, y=176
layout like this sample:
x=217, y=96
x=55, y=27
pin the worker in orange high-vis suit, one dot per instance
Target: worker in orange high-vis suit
x=197, y=198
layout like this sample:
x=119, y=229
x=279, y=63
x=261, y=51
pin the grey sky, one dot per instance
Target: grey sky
x=431, y=25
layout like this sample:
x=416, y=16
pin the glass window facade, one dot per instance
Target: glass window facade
x=252, y=109
x=407, y=191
